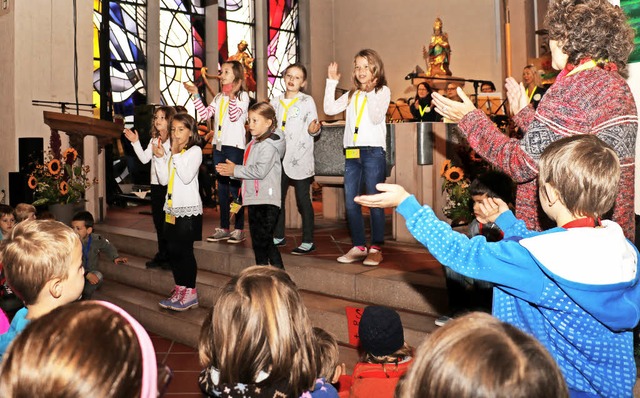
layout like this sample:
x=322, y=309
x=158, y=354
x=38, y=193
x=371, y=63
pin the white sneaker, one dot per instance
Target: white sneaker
x=236, y=236
x=442, y=320
x=353, y=255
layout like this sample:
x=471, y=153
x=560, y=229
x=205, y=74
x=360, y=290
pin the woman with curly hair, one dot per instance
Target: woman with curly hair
x=590, y=43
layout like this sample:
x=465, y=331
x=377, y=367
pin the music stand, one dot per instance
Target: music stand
x=490, y=103
x=399, y=112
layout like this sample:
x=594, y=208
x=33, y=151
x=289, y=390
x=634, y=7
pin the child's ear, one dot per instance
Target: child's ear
x=55, y=287
x=90, y=230
x=304, y=84
x=340, y=370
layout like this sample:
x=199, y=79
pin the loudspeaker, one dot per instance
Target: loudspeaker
x=29, y=153
x=19, y=191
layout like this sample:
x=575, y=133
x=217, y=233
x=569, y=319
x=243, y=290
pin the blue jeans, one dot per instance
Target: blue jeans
x=365, y=172
x=227, y=185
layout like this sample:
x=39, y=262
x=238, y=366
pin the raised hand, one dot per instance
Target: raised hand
x=226, y=169
x=391, y=195
x=131, y=135
x=332, y=72
x=191, y=88
x=516, y=94
x=490, y=209
x=452, y=110
x=158, y=151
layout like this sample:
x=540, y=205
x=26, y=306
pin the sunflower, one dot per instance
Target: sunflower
x=54, y=167
x=454, y=174
x=32, y=182
x=64, y=188
x=445, y=166
x=70, y=155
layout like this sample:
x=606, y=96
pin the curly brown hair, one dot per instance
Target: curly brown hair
x=590, y=29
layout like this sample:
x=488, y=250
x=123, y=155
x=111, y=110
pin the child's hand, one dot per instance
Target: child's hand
x=120, y=260
x=314, y=126
x=332, y=72
x=391, y=195
x=131, y=135
x=191, y=88
x=490, y=209
x=226, y=169
x=158, y=151
x=92, y=278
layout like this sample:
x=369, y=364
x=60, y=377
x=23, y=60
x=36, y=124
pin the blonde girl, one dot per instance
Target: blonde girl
x=298, y=124
x=258, y=337
x=365, y=145
x=159, y=136
x=261, y=174
x=229, y=112
x=178, y=169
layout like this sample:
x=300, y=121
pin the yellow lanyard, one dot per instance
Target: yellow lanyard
x=585, y=66
x=532, y=91
x=172, y=176
x=422, y=111
x=286, y=110
x=222, y=111
x=359, y=116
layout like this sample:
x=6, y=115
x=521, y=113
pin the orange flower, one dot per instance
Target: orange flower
x=54, y=167
x=70, y=151
x=445, y=166
x=454, y=174
x=32, y=182
x=64, y=188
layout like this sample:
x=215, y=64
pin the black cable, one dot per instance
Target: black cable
x=75, y=54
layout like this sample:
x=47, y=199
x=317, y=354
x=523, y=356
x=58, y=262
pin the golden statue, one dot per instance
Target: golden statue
x=246, y=60
x=438, y=56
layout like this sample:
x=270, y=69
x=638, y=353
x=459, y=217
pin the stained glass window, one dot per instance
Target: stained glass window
x=128, y=54
x=182, y=50
x=282, y=49
x=236, y=23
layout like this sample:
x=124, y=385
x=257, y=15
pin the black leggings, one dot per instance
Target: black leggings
x=262, y=223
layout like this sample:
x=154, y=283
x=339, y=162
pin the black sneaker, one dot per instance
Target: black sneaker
x=299, y=251
x=279, y=242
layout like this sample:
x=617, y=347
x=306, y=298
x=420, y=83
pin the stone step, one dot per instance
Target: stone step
x=413, y=291
x=145, y=288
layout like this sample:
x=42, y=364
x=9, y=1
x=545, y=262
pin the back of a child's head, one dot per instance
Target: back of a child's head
x=84, y=216
x=584, y=170
x=327, y=353
x=476, y=355
x=83, y=349
x=494, y=184
x=36, y=252
x=260, y=324
x=24, y=211
x=382, y=336
x=6, y=209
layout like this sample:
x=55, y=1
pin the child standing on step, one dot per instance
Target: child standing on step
x=258, y=341
x=92, y=245
x=229, y=112
x=261, y=172
x=178, y=170
x=364, y=142
x=298, y=124
x=159, y=136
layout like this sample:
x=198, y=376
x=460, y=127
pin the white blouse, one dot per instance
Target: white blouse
x=186, y=191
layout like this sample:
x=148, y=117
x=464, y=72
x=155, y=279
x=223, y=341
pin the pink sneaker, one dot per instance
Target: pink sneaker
x=175, y=296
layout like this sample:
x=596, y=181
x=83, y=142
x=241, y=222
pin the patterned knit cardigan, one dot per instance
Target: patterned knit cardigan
x=592, y=101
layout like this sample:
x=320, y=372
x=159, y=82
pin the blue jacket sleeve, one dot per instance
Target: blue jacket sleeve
x=505, y=263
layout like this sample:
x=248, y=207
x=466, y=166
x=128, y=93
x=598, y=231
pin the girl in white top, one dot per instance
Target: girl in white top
x=178, y=170
x=159, y=136
x=365, y=144
x=229, y=112
x=298, y=123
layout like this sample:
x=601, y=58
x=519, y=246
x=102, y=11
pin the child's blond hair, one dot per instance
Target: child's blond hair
x=37, y=251
x=259, y=324
x=328, y=353
x=23, y=210
x=585, y=172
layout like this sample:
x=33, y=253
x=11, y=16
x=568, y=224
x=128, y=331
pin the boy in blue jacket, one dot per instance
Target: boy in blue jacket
x=574, y=287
